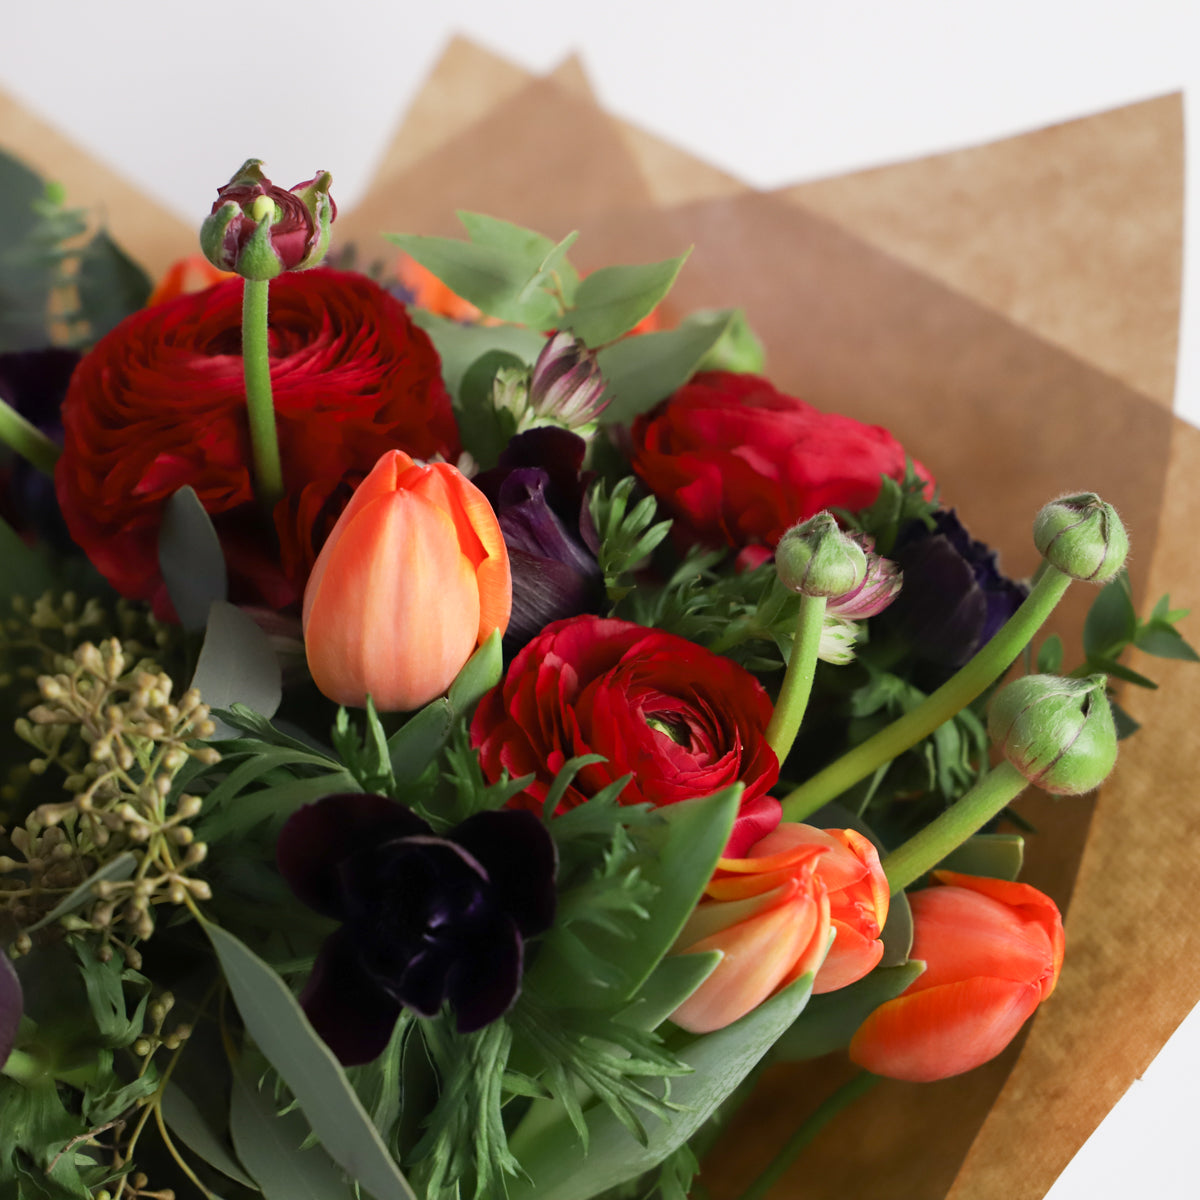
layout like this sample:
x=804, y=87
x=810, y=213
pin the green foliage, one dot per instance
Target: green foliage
x=612, y=300
x=486, y=428
x=897, y=504
x=626, y=535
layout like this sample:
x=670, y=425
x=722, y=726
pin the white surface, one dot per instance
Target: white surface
x=176, y=94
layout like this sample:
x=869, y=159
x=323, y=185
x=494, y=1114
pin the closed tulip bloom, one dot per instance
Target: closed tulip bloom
x=413, y=577
x=769, y=915
x=992, y=952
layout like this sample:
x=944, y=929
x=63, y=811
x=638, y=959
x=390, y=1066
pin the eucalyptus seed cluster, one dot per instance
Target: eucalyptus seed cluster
x=37, y=638
x=137, y=739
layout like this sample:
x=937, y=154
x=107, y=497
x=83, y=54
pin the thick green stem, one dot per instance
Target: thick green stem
x=955, y=694
x=260, y=407
x=27, y=440
x=829, y=1108
x=798, y=679
x=924, y=850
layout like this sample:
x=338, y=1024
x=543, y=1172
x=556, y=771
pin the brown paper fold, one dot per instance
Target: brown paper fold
x=1004, y=314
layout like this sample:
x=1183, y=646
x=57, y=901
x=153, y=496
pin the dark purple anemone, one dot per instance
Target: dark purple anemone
x=11, y=1005
x=954, y=596
x=34, y=383
x=539, y=493
x=425, y=919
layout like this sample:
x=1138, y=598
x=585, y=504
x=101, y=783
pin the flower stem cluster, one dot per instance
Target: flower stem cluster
x=123, y=802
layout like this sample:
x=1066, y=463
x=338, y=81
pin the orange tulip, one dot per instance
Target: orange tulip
x=769, y=915
x=992, y=952
x=413, y=577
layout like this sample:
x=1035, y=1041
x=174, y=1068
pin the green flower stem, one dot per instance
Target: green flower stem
x=24, y=1068
x=955, y=694
x=798, y=679
x=829, y=1108
x=27, y=440
x=924, y=850
x=256, y=365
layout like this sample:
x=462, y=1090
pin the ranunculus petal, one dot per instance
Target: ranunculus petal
x=317, y=837
x=346, y=1007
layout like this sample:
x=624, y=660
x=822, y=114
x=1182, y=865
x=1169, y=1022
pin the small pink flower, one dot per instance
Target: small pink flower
x=879, y=587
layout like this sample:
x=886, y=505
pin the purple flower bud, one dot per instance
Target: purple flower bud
x=538, y=492
x=879, y=587
x=260, y=230
x=566, y=386
x=425, y=920
x=955, y=597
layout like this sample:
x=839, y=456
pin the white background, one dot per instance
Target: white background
x=175, y=95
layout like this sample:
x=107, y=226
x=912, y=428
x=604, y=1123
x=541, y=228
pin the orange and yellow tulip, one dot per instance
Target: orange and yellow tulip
x=413, y=577
x=992, y=951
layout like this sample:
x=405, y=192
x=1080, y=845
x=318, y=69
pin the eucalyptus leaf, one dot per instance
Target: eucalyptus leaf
x=272, y=1145
x=190, y=558
x=641, y=371
x=481, y=673
x=505, y=237
x=738, y=349
x=1111, y=621
x=1165, y=641
x=611, y=301
x=279, y=1027
x=992, y=855
x=237, y=665
x=459, y=345
x=188, y=1124
x=115, y=870
x=831, y=1020
x=556, y=1169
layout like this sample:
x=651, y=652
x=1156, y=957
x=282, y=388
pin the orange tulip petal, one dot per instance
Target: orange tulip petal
x=927, y=1035
x=711, y=918
x=851, y=956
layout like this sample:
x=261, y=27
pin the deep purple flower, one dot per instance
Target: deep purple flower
x=954, y=597
x=11, y=1005
x=539, y=495
x=425, y=919
x=34, y=382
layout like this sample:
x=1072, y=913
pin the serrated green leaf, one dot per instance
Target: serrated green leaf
x=281, y=1031
x=641, y=371
x=111, y=286
x=611, y=301
x=830, y=1020
x=482, y=672
x=1111, y=621
x=992, y=855
x=720, y=1061
x=419, y=741
x=190, y=558
x=272, y=1146
x=1164, y=641
x=115, y=870
x=491, y=278
x=237, y=665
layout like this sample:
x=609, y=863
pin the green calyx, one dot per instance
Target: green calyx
x=816, y=558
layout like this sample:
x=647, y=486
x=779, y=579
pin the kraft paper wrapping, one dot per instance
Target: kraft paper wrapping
x=1011, y=312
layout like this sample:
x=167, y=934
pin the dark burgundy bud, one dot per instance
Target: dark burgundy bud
x=259, y=230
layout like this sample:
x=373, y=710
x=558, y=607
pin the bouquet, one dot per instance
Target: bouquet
x=472, y=722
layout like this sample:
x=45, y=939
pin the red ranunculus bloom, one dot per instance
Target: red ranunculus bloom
x=683, y=721
x=738, y=463
x=160, y=403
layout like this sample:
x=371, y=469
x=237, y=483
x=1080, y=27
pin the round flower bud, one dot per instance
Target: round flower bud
x=816, y=558
x=1057, y=732
x=1082, y=536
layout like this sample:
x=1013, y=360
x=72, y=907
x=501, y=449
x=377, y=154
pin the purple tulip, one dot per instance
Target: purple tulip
x=539, y=493
x=426, y=920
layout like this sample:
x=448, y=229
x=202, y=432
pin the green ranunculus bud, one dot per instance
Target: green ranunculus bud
x=1058, y=732
x=816, y=558
x=260, y=230
x=1082, y=536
